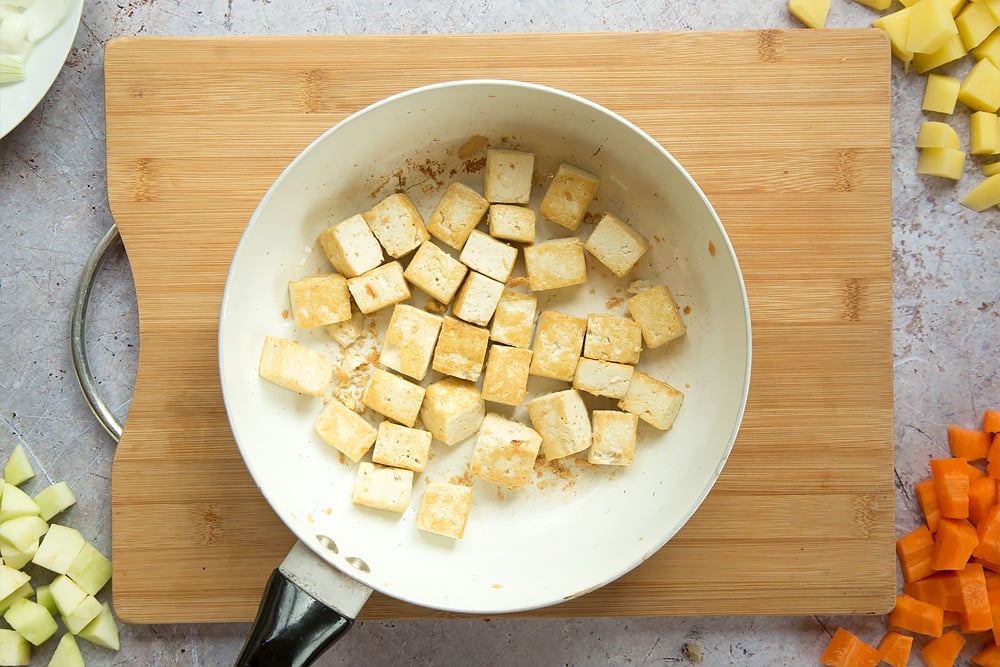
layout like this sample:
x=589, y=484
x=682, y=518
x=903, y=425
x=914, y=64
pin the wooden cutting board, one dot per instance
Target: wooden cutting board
x=786, y=131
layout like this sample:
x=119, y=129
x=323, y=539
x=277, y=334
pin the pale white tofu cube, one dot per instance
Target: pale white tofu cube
x=488, y=256
x=409, y=340
x=378, y=288
x=654, y=401
x=613, y=438
x=568, y=196
x=393, y=396
x=383, y=488
x=612, y=338
x=290, y=364
x=459, y=212
x=505, y=451
x=558, y=343
x=345, y=430
x=444, y=509
x=508, y=176
x=401, y=446
x=351, y=246
x=506, y=377
x=461, y=349
x=555, y=263
x=397, y=224
x=514, y=319
x=477, y=299
x=435, y=272
x=319, y=300
x=563, y=422
x=511, y=222
x=603, y=378
x=616, y=245
x=453, y=410
x=657, y=314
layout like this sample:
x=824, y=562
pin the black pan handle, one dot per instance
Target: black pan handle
x=292, y=628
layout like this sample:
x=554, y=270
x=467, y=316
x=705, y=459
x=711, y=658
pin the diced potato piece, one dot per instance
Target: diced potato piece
x=980, y=90
x=345, y=430
x=11, y=579
x=59, y=548
x=950, y=51
x=15, y=650
x=568, y=196
x=983, y=133
x=812, y=13
x=444, y=509
x=941, y=94
x=17, y=469
x=942, y=162
x=935, y=134
x=103, y=630
x=90, y=569
x=23, y=531
x=43, y=596
x=931, y=26
x=54, y=499
x=382, y=487
x=989, y=49
x=31, y=620
x=319, y=300
x=67, y=594
x=975, y=23
x=17, y=558
x=23, y=591
x=879, y=5
x=15, y=503
x=984, y=195
x=67, y=653
x=897, y=26
x=991, y=169
x=290, y=364
x=85, y=612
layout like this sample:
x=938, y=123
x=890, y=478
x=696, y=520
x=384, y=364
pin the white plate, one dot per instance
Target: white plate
x=42, y=67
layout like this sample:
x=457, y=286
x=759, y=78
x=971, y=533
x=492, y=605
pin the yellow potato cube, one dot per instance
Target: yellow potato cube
x=931, y=25
x=989, y=49
x=984, y=195
x=942, y=162
x=975, y=23
x=812, y=13
x=934, y=134
x=983, y=137
x=941, y=93
x=880, y=5
x=980, y=90
x=991, y=169
x=955, y=6
x=897, y=26
x=951, y=51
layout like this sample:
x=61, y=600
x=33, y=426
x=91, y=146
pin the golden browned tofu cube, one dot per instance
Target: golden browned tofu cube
x=656, y=312
x=513, y=223
x=461, y=349
x=319, y=300
x=409, y=340
x=400, y=446
x=382, y=286
x=435, y=272
x=555, y=263
x=568, y=196
x=505, y=451
x=397, y=224
x=557, y=346
x=445, y=509
x=290, y=364
x=613, y=438
x=611, y=338
x=351, y=247
x=654, y=401
x=514, y=319
x=616, y=245
x=461, y=208
x=561, y=418
x=506, y=377
x=508, y=176
x=393, y=396
x=383, y=488
x=345, y=430
x=453, y=410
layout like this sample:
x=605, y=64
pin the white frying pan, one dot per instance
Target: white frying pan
x=575, y=527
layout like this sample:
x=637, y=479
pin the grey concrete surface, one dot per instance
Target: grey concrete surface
x=53, y=209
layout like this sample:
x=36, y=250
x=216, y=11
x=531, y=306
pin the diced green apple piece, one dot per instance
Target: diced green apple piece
x=54, y=499
x=24, y=591
x=58, y=548
x=17, y=558
x=14, y=649
x=11, y=579
x=67, y=594
x=103, y=630
x=31, y=620
x=23, y=531
x=18, y=468
x=84, y=613
x=90, y=569
x=15, y=503
x=43, y=596
x=67, y=653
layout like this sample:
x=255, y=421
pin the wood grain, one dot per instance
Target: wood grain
x=786, y=131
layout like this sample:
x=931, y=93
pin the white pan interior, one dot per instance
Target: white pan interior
x=576, y=526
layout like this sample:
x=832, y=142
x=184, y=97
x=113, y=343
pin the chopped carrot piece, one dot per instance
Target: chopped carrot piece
x=993, y=457
x=954, y=543
x=952, y=618
x=975, y=473
x=846, y=650
x=988, y=531
x=968, y=443
x=943, y=651
x=991, y=421
x=951, y=484
x=914, y=615
x=894, y=649
x=941, y=590
x=982, y=498
x=927, y=498
x=914, y=551
x=988, y=657
x=993, y=595
x=976, y=615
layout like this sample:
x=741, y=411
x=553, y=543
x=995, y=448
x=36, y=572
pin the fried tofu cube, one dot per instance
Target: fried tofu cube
x=616, y=245
x=557, y=346
x=409, y=340
x=508, y=176
x=477, y=299
x=453, y=410
x=459, y=212
x=402, y=446
x=435, y=272
x=654, y=401
x=511, y=223
x=346, y=332
x=514, y=319
x=382, y=487
x=397, y=224
x=505, y=451
x=444, y=509
x=488, y=256
x=506, y=377
x=290, y=364
x=555, y=263
x=611, y=338
x=603, y=378
x=461, y=349
x=319, y=300
x=568, y=196
x=657, y=314
x=378, y=288
x=394, y=397
x=345, y=430
x=561, y=418
x=613, y=438
x=351, y=246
